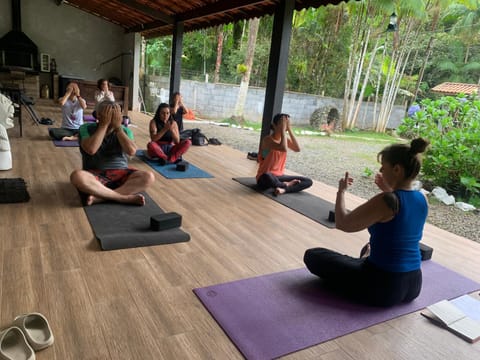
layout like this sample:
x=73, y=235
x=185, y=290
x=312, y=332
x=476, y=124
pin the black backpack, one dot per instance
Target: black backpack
x=198, y=138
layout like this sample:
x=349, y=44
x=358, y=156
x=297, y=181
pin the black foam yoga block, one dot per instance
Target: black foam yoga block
x=331, y=216
x=426, y=252
x=165, y=221
x=182, y=166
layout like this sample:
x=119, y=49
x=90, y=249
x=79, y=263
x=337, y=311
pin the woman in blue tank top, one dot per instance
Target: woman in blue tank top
x=389, y=272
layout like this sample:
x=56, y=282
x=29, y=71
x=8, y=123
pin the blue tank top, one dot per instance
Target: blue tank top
x=394, y=244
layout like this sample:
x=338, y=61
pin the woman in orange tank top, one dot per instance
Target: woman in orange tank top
x=273, y=156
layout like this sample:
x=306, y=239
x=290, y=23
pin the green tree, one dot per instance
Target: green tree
x=317, y=51
x=465, y=19
x=218, y=62
x=242, y=93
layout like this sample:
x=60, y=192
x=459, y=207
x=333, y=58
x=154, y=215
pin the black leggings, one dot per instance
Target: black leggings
x=60, y=133
x=268, y=180
x=360, y=280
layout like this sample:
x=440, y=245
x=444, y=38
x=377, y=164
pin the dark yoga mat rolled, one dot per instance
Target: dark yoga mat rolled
x=119, y=226
x=303, y=202
x=13, y=190
x=64, y=143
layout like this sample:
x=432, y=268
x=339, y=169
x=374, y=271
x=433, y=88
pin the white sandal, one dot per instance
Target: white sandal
x=14, y=345
x=36, y=328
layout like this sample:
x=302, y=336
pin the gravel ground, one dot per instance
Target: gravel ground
x=327, y=158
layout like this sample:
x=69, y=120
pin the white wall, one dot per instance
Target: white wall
x=77, y=40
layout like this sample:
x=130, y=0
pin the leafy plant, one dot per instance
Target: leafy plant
x=475, y=201
x=471, y=184
x=367, y=172
x=241, y=69
x=452, y=125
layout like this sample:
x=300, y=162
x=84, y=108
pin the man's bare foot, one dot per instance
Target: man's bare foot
x=135, y=199
x=93, y=200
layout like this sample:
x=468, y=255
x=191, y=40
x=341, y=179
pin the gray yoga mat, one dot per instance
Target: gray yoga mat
x=119, y=226
x=303, y=202
x=276, y=314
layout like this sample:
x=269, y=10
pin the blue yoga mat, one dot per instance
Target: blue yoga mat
x=169, y=171
x=273, y=315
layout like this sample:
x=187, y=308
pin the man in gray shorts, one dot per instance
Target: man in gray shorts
x=105, y=174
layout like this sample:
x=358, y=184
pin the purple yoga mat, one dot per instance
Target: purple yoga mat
x=274, y=315
x=89, y=118
x=61, y=143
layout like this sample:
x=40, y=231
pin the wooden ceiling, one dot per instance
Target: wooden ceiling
x=153, y=18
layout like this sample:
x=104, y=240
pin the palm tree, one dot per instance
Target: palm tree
x=465, y=16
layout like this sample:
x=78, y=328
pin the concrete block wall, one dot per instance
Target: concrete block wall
x=217, y=101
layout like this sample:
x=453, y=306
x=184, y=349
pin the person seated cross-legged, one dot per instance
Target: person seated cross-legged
x=388, y=271
x=165, y=141
x=272, y=158
x=105, y=147
x=73, y=106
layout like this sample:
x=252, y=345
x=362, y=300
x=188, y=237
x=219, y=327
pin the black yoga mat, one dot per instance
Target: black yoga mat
x=119, y=226
x=303, y=202
x=66, y=143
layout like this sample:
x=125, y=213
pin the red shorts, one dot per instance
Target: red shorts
x=112, y=178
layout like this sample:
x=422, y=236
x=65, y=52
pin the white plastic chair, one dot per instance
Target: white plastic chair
x=6, y=122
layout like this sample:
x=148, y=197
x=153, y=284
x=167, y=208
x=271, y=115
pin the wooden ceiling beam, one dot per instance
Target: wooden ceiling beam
x=158, y=15
x=148, y=26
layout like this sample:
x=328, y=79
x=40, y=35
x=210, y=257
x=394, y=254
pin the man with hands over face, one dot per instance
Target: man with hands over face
x=105, y=147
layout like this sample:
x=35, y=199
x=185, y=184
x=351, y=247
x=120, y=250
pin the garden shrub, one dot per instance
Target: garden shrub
x=452, y=125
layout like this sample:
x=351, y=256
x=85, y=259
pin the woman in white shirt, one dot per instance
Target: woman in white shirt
x=103, y=93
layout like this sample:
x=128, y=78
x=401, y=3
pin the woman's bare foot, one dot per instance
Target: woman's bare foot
x=70, y=138
x=280, y=191
x=291, y=183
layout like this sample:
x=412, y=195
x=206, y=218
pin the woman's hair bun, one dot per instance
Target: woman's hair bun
x=418, y=146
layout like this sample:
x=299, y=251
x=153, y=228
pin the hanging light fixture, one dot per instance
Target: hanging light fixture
x=392, y=26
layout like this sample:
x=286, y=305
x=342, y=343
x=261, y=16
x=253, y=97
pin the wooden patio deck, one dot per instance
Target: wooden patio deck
x=138, y=303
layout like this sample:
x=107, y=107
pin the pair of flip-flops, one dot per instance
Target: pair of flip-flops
x=46, y=121
x=28, y=333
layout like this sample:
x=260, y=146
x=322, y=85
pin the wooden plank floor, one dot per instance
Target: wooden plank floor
x=138, y=303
